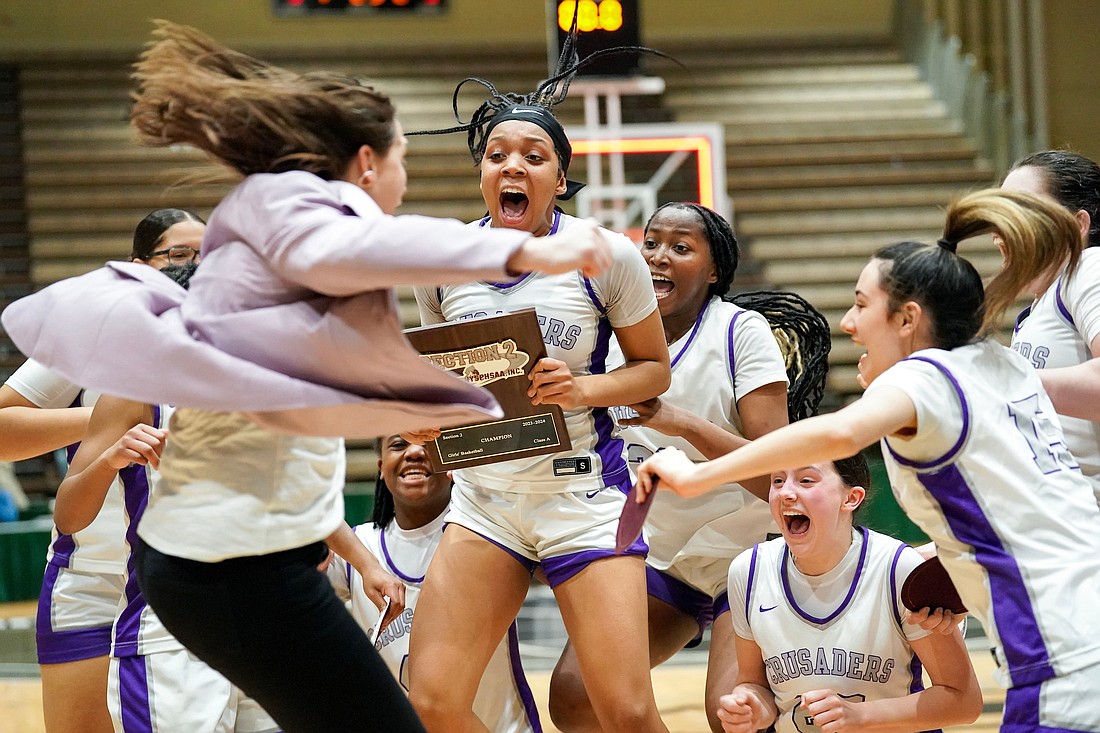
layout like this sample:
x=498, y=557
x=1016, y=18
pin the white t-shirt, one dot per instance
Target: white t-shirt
x=843, y=630
x=100, y=547
x=988, y=477
x=504, y=702
x=229, y=488
x=577, y=315
x=1055, y=331
x=729, y=353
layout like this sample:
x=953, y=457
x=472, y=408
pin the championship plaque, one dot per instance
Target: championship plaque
x=497, y=352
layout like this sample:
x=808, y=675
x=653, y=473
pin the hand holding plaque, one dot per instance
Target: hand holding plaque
x=497, y=353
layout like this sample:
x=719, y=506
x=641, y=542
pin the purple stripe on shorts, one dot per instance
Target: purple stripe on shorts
x=520, y=679
x=133, y=691
x=1021, y=638
x=57, y=647
x=563, y=567
x=681, y=596
x=721, y=604
x=1021, y=712
x=528, y=564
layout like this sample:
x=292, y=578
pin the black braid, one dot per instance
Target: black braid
x=804, y=338
x=548, y=94
x=724, y=251
x=384, y=510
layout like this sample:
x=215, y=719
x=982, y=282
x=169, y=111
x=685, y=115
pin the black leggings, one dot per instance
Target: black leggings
x=274, y=627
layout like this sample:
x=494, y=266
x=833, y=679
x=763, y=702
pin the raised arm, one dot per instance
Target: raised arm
x=1075, y=390
x=881, y=412
x=118, y=434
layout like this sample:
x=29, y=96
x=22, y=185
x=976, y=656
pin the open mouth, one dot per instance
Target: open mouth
x=513, y=205
x=415, y=475
x=796, y=524
x=662, y=286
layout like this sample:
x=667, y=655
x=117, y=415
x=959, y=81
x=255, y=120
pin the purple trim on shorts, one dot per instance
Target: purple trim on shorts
x=57, y=647
x=694, y=331
x=748, y=585
x=1061, y=304
x=520, y=679
x=1022, y=640
x=894, y=584
x=785, y=578
x=963, y=436
x=681, y=596
x=731, y=352
x=528, y=564
x=722, y=604
x=563, y=567
x=133, y=692
x=393, y=565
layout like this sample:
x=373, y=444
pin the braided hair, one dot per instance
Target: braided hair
x=384, y=510
x=804, y=338
x=724, y=252
x=538, y=104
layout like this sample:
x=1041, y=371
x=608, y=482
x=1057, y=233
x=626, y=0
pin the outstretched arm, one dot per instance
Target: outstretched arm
x=882, y=412
x=117, y=436
x=28, y=431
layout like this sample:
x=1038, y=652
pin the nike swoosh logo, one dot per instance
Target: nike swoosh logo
x=592, y=494
x=769, y=608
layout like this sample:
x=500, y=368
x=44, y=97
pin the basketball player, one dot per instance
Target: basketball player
x=975, y=454
x=557, y=511
x=692, y=256
x=822, y=641
x=86, y=570
x=1061, y=327
x=410, y=502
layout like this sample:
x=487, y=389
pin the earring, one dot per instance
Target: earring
x=366, y=178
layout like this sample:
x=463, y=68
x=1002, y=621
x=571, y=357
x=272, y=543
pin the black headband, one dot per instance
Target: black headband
x=545, y=119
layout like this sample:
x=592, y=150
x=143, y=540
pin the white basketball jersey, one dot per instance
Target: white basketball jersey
x=1055, y=331
x=727, y=354
x=99, y=547
x=577, y=315
x=988, y=477
x=857, y=646
x=504, y=702
x=137, y=630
